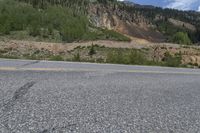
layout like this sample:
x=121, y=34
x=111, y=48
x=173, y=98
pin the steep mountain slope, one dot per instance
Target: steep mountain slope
x=70, y=20
x=51, y=20
x=147, y=22
x=114, y=18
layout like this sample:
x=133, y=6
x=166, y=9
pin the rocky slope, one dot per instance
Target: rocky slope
x=113, y=18
x=146, y=22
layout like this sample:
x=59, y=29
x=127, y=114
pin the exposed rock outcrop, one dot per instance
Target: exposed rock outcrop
x=113, y=18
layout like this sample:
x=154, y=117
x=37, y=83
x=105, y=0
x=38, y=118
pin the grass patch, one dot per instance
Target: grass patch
x=124, y=56
x=56, y=58
x=104, y=34
x=172, y=61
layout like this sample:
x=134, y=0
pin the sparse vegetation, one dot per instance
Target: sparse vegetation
x=131, y=57
x=172, y=61
x=77, y=57
x=92, y=50
x=102, y=54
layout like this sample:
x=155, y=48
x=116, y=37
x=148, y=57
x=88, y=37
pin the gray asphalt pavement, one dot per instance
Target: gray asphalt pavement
x=65, y=97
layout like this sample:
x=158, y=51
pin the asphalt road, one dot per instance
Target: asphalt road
x=62, y=97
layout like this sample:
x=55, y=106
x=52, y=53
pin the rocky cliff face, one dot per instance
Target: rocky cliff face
x=114, y=18
x=102, y=17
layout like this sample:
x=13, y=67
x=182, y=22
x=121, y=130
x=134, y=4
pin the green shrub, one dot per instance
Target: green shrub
x=172, y=61
x=92, y=50
x=77, y=57
x=135, y=57
x=113, y=35
x=181, y=38
x=116, y=57
x=57, y=58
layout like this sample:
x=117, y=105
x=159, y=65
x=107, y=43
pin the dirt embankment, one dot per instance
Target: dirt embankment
x=155, y=51
x=57, y=48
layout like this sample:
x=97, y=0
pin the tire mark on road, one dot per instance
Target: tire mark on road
x=19, y=94
x=30, y=63
x=70, y=127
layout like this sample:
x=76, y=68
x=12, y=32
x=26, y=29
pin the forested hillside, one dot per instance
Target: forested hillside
x=57, y=20
x=79, y=20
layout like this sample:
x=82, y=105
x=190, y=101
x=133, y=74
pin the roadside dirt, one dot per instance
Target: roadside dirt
x=156, y=51
x=62, y=47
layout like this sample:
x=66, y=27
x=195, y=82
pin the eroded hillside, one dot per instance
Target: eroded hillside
x=151, y=23
x=113, y=18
